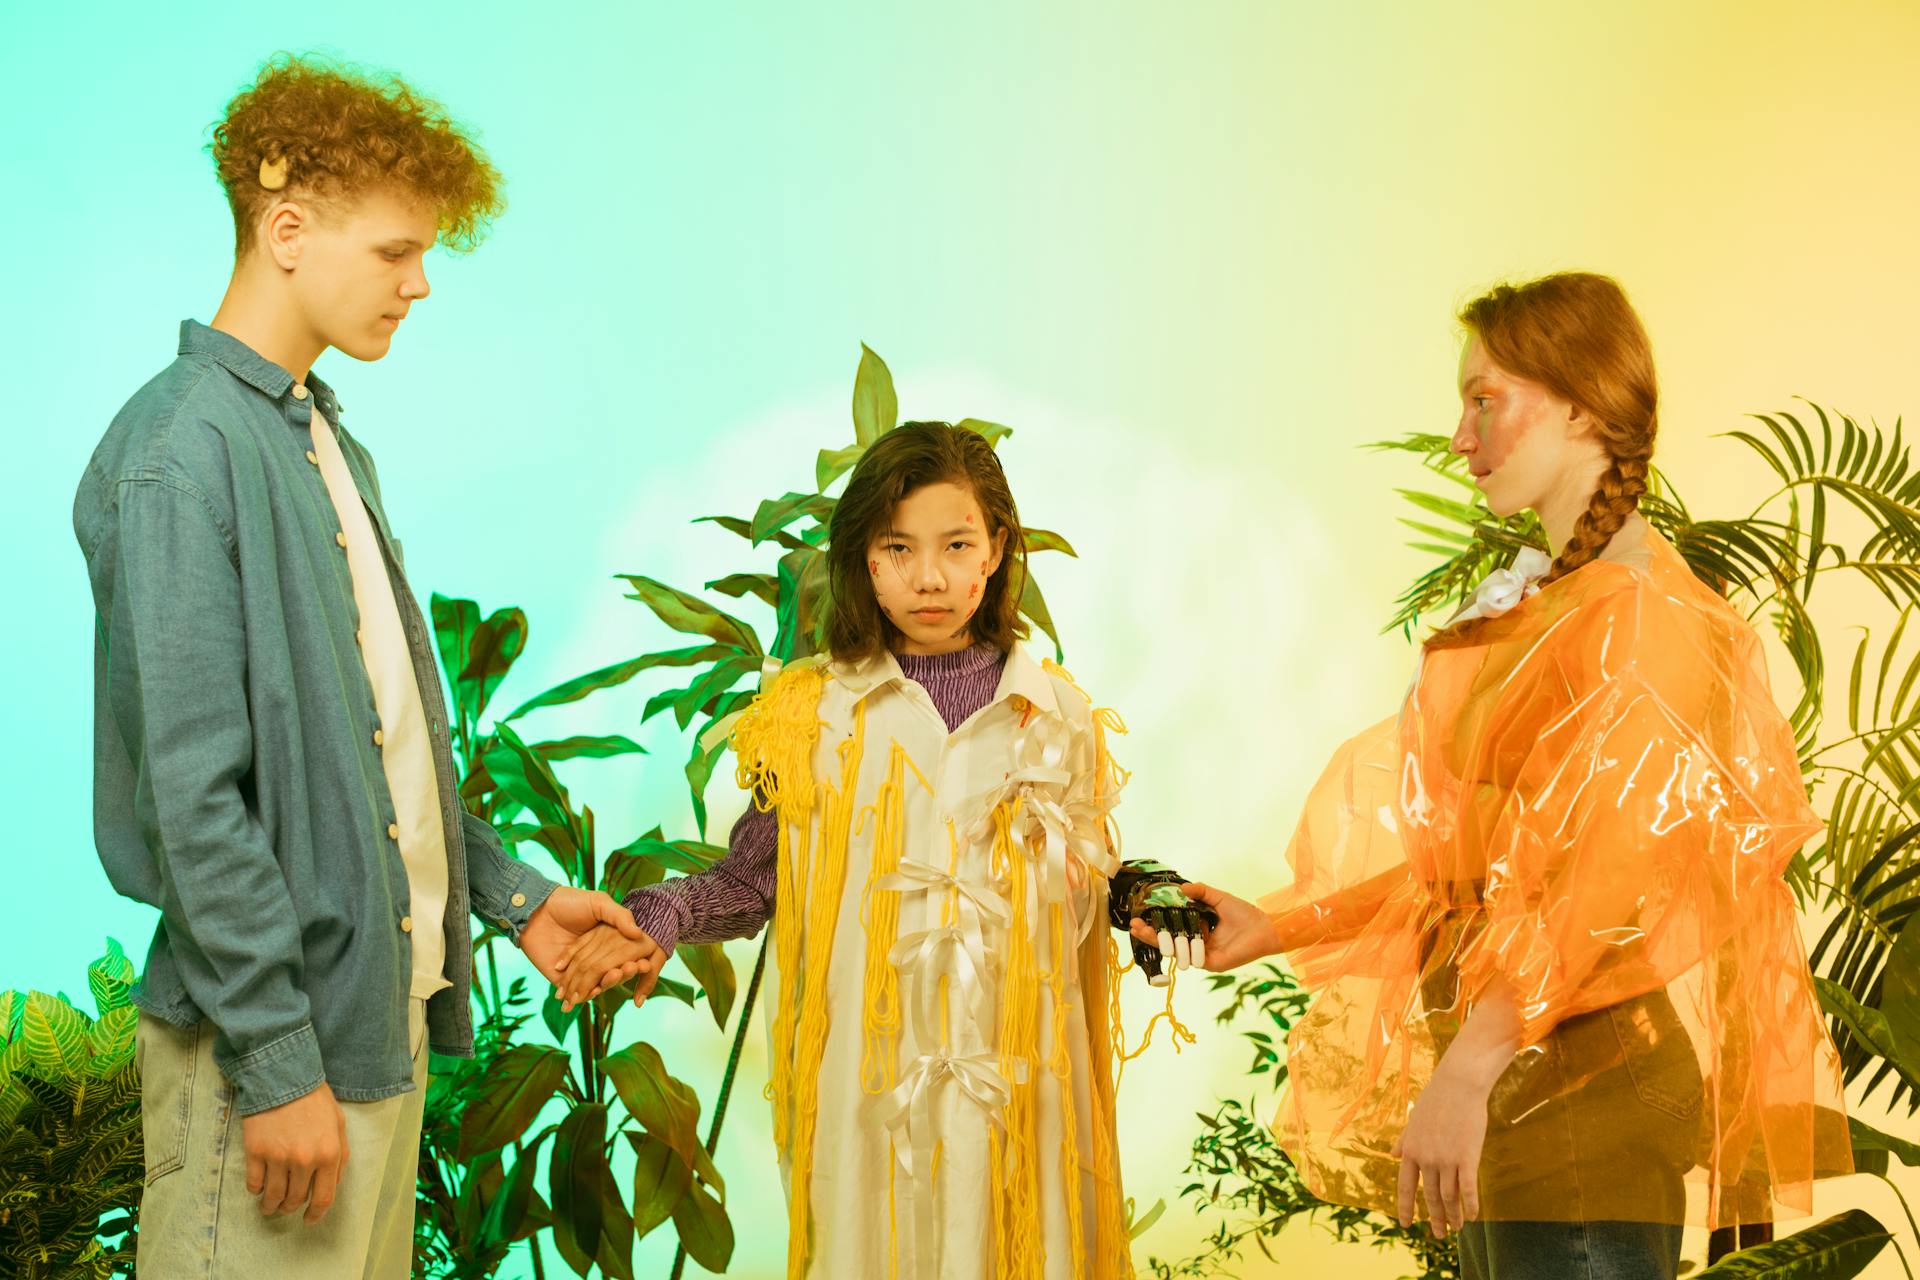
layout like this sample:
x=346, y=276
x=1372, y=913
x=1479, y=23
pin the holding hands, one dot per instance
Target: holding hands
x=603, y=958
x=1211, y=930
x=567, y=919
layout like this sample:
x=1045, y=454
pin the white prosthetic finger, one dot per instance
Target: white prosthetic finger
x=1199, y=952
x=1182, y=951
x=1160, y=979
x=1166, y=947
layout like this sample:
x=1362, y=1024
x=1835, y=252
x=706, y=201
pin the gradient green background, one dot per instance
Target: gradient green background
x=1195, y=254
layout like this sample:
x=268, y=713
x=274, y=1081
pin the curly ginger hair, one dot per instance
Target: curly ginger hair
x=343, y=132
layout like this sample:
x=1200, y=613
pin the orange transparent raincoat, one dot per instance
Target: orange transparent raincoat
x=1593, y=804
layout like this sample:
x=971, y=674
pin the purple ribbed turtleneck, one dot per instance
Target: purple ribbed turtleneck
x=734, y=897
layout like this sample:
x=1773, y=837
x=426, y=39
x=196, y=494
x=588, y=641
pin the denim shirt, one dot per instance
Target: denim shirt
x=238, y=785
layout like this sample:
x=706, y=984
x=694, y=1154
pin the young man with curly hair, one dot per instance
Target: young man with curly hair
x=272, y=761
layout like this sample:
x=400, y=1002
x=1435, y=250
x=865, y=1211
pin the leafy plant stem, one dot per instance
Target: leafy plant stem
x=1906, y=1209
x=726, y=1081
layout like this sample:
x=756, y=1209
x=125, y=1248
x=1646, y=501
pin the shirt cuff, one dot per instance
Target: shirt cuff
x=659, y=914
x=524, y=892
x=277, y=1073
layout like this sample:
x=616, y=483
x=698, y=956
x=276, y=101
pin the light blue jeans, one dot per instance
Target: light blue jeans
x=197, y=1220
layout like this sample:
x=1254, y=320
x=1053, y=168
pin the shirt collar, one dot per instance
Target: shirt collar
x=248, y=365
x=1023, y=676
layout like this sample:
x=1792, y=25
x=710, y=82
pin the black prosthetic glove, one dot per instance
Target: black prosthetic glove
x=1143, y=889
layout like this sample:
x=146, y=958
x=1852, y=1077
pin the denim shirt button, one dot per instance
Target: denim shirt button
x=406, y=924
x=313, y=457
x=519, y=899
x=379, y=738
x=299, y=392
x=393, y=831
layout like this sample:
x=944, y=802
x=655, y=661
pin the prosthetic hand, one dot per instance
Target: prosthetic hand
x=1143, y=889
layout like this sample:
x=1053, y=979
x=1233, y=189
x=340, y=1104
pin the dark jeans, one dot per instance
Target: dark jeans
x=1569, y=1251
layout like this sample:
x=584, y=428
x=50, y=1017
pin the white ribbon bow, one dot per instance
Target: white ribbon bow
x=928, y=956
x=1502, y=589
x=909, y=1106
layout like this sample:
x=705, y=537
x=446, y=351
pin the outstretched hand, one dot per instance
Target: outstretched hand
x=564, y=917
x=1245, y=933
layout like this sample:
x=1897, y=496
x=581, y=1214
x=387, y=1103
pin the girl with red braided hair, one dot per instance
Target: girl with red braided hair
x=1561, y=1007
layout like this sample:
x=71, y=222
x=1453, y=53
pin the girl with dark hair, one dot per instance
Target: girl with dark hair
x=930, y=840
x=1560, y=1002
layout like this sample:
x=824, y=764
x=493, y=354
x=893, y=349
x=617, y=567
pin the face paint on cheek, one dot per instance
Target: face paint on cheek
x=873, y=567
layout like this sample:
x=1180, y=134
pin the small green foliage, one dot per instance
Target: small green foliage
x=71, y=1160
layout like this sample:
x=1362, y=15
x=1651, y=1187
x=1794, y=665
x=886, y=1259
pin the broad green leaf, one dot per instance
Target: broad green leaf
x=744, y=528
x=704, y=1228
x=1867, y=1138
x=665, y=1107
x=559, y=1022
x=12, y=1004
x=1868, y=1025
x=676, y=855
x=699, y=773
x=719, y=679
x=690, y=614
x=496, y=645
x=834, y=463
x=110, y=978
x=1900, y=993
x=660, y=1178
x=611, y=1001
x=616, y=1231
x=1034, y=605
x=520, y=772
x=619, y=673
x=111, y=1041
x=520, y=1083
x=55, y=1035
x=570, y=1252
x=1045, y=540
x=876, y=409
x=574, y=1174
x=454, y=621
x=802, y=609
x=624, y=872
x=591, y=748
x=738, y=585
x=776, y=514
x=1835, y=1249
x=993, y=431
x=709, y=963
x=507, y=1212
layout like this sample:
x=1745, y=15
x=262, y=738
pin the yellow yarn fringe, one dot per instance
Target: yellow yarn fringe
x=880, y=914
x=1021, y=1249
x=1100, y=992
x=773, y=746
x=810, y=1039
x=1061, y=1064
x=774, y=743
